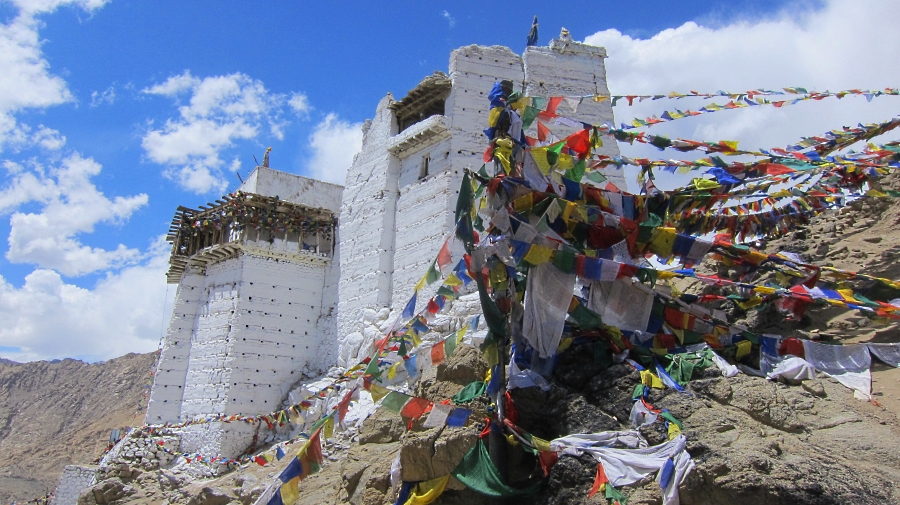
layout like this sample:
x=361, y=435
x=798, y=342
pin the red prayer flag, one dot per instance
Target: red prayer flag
x=437, y=353
x=580, y=142
x=415, y=408
x=443, y=258
x=344, y=406
x=599, y=479
x=552, y=104
x=543, y=131
x=547, y=459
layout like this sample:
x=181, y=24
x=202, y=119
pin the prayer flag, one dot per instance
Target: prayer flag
x=443, y=258
x=410, y=309
x=414, y=408
x=438, y=415
x=291, y=471
x=289, y=491
x=458, y=417
x=378, y=392
x=410, y=365
x=395, y=401
x=438, y=353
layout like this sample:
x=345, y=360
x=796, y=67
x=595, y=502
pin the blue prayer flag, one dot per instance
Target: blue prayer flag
x=458, y=417
x=410, y=309
x=294, y=469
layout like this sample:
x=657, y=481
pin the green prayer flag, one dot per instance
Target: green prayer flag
x=553, y=153
x=615, y=496
x=586, y=318
x=395, y=401
x=638, y=391
x=469, y=393
x=672, y=419
x=596, y=176
x=576, y=172
x=450, y=345
x=466, y=199
x=433, y=274
x=478, y=473
x=528, y=116
x=564, y=261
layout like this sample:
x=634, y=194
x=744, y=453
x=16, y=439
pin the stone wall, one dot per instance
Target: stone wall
x=366, y=225
x=72, y=482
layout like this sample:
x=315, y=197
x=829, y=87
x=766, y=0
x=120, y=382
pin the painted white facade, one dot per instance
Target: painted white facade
x=393, y=220
x=249, y=326
x=257, y=316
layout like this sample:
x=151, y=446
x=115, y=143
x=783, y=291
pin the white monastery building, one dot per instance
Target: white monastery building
x=276, y=281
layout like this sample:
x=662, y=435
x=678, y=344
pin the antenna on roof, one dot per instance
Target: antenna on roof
x=254, y=159
x=239, y=176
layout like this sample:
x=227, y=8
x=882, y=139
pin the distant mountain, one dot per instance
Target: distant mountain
x=57, y=413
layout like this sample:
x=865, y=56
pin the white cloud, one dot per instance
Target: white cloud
x=333, y=143
x=221, y=110
x=450, y=20
x=838, y=46
x=125, y=312
x=175, y=85
x=48, y=138
x=299, y=103
x=26, y=81
x=107, y=96
x=71, y=205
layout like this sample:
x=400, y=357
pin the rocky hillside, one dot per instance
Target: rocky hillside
x=53, y=414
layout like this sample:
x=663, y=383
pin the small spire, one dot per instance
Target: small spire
x=266, y=158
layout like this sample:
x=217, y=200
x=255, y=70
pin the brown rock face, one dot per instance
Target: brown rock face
x=60, y=413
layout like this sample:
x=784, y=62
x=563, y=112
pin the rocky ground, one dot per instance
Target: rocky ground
x=54, y=414
x=753, y=441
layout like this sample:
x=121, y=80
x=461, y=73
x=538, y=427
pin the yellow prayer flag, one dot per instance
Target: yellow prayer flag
x=847, y=294
x=540, y=159
x=290, y=492
x=378, y=392
x=461, y=333
x=650, y=380
x=704, y=184
x=750, y=303
x=743, y=349
x=494, y=116
x=764, y=290
x=540, y=444
x=491, y=356
x=328, y=428
x=565, y=162
x=420, y=284
x=427, y=492
x=453, y=281
x=538, y=254
x=674, y=431
x=523, y=203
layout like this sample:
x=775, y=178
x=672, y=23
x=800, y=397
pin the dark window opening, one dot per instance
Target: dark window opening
x=423, y=168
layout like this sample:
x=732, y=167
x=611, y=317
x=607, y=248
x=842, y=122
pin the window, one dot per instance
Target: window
x=423, y=168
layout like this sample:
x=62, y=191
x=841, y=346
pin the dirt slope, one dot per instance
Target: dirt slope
x=53, y=414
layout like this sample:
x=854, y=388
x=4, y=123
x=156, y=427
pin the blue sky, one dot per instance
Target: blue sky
x=112, y=113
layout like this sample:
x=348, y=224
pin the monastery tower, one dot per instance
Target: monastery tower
x=271, y=291
x=400, y=193
x=254, y=310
